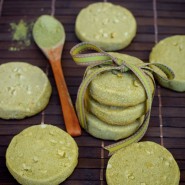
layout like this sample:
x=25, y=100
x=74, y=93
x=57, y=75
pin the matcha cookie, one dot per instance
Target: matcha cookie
x=171, y=52
x=24, y=90
x=102, y=130
x=143, y=163
x=119, y=89
x=110, y=26
x=42, y=154
x=115, y=115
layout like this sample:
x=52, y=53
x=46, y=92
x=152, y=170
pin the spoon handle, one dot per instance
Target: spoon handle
x=70, y=118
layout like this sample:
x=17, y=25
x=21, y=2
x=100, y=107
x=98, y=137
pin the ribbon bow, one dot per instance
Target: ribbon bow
x=109, y=62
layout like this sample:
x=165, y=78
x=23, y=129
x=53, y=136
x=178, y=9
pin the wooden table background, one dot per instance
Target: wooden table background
x=156, y=20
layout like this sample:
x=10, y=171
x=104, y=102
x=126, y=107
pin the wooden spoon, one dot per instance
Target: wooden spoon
x=54, y=55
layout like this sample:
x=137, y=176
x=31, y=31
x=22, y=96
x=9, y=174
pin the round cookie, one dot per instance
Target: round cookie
x=24, y=90
x=121, y=89
x=102, y=130
x=42, y=154
x=171, y=52
x=111, y=27
x=143, y=163
x=115, y=115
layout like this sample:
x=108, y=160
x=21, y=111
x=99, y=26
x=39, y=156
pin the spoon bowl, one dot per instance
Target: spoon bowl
x=49, y=35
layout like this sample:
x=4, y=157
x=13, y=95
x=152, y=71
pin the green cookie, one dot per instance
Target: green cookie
x=42, y=155
x=102, y=130
x=110, y=26
x=143, y=163
x=115, y=115
x=119, y=89
x=171, y=52
x=24, y=90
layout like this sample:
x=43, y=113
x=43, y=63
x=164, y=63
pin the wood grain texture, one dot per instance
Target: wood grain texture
x=156, y=19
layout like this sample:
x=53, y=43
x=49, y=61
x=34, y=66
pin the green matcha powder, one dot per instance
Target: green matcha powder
x=21, y=35
x=48, y=31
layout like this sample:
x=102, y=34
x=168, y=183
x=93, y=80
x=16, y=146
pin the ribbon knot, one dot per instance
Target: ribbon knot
x=107, y=62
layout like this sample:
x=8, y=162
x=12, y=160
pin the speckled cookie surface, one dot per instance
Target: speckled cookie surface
x=171, y=52
x=122, y=89
x=110, y=26
x=42, y=154
x=115, y=115
x=102, y=130
x=24, y=90
x=143, y=163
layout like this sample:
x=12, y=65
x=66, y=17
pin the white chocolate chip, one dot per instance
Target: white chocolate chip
x=116, y=20
x=35, y=159
x=29, y=92
x=15, y=69
x=167, y=163
x=142, y=183
x=136, y=84
x=84, y=34
x=109, y=166
x=97, y=37
x=51, y=132
x=149, y=152
x=105, y=35
x=28, y=109
x=14, y=92
x=43, y=171
x=62, y=142
x=175, y=43
x=53, y=141
x=126, y=34
x=26, y=167
x=180, y=47
x=113, y=34
x=131, y=176
x=61, y=153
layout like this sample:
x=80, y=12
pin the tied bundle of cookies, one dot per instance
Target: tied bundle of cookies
x=115, y=97
x=115, y=102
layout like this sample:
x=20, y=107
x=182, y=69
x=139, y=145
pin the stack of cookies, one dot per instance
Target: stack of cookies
x=115, y=102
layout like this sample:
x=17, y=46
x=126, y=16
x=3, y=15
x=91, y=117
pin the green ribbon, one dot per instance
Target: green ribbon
x=107, y=62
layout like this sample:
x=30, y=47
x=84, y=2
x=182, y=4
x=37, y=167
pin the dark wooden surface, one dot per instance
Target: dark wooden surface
x=156, y=19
